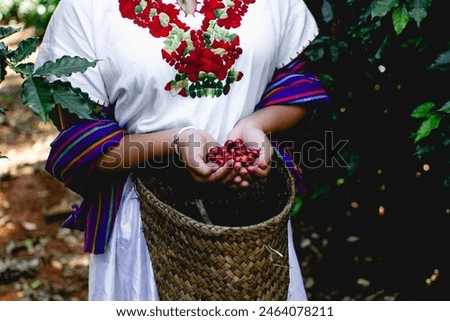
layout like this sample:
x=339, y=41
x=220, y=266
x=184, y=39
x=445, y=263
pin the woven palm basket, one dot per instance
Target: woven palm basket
x=242, y=254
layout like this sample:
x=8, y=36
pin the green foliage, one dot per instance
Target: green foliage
x=38, y=93
x=442, y=62
x=398, y=47
x=64, y=67
x=34, y=13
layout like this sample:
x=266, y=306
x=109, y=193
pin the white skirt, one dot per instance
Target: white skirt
x=124, y=272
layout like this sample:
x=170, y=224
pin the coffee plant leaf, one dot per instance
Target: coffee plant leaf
x=24, y=49
x=2, y=69
x=25, y=69
x=7, y=31
x=64, y=66
x=36, y=94
x=73, y=99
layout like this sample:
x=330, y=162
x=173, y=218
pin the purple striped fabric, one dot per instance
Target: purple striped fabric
x=294, y=85
x=72, y=160
x=76, y=150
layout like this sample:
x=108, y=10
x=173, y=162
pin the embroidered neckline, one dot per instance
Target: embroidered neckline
x=204, y=57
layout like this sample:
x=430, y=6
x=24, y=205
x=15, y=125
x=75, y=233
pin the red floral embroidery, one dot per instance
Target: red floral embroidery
x=127, y=8
x=203, y=58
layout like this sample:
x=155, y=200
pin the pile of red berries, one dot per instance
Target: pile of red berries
x=232, y=150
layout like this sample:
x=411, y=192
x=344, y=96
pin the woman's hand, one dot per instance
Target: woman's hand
x=252, y=137
x=193, y=146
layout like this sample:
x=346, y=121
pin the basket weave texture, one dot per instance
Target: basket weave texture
x=242, y=255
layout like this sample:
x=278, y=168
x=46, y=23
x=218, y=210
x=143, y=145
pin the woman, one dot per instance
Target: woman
x=183, y=71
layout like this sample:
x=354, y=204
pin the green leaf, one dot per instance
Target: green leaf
x=445, y=108
x=72, y=99
x=25, y=70
x=2, y=69
x=5, y=32
x=298, y=203
x=427, y=126
x=400, y=18
x=423, y=110
x=380, y=8
x=25, y=49
x=446, y=182
x=36, y=284
x=3, y=50
x=442, y=62
x=36, y=94
x=327, y=11
x=419, y=10
x=422, y=150
x=380, y=50
x=334, y=53
x=315, y=54
x=415, y=42
x=64, y=66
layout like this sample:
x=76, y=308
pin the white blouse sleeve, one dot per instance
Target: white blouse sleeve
x=299, y=30
x=71, y=32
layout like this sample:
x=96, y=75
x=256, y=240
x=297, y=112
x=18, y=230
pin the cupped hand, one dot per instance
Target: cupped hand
x=256, y=138
x=194, y=144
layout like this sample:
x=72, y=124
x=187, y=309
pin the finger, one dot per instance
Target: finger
x=237, y=179
x=244, y=184
x=224, y=174
x=258, y=170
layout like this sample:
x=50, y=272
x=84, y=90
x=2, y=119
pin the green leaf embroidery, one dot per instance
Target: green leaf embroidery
x=221, y=13
x=164, y=19
x=175, y=37
x=229, y=3
x=65, y=66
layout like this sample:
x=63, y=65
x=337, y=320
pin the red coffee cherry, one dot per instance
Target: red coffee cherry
x=235, y=150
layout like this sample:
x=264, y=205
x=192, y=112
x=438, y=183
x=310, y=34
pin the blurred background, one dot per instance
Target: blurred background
x=375, y=219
